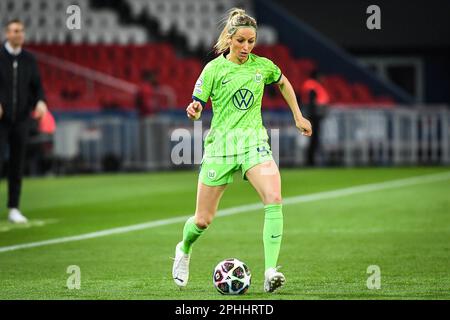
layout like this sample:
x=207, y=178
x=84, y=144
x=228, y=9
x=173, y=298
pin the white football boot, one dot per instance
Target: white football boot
x=15, y=216
x=273, y=279
x=180, y=269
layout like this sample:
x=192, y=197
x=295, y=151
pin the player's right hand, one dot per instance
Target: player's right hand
x=194, y=110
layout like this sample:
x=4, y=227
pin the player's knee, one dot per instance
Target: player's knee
x=272, y=197
x=203, y=221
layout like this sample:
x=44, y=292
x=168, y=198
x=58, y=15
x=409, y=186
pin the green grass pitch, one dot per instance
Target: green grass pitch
x=327, y=245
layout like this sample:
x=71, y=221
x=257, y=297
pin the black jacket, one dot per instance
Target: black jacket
x=20, y=89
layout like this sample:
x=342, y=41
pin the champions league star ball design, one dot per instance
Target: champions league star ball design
x=231, y=277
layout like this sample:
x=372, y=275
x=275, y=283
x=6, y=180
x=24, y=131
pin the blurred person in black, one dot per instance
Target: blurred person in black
x=21, y=93
x=315, y=97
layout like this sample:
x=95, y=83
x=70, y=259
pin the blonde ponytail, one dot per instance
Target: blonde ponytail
x=236, y=18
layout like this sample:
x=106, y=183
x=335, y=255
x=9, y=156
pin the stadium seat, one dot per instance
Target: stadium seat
x=362, y=93
x=137, y=7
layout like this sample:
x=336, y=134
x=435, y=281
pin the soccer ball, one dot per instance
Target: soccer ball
x=231, y=277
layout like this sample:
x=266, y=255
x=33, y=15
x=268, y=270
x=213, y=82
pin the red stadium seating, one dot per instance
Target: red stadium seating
x=361, y=93
x=65, y=90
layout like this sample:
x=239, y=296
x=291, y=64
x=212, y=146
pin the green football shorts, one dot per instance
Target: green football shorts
x=216, y=171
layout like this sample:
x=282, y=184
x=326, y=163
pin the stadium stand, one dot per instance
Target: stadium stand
x=46, y=23
x=107, y=61
x=196, y=20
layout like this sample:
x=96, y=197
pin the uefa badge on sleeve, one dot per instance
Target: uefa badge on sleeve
x=199, y=83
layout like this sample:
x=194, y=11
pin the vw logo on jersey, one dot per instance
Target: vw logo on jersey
x=243, y=99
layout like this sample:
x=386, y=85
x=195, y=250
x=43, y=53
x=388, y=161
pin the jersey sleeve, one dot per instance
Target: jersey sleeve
x=203, y=86
x=273, y=73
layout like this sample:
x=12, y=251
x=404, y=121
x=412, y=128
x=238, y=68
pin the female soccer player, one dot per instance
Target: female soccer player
x=234, y=81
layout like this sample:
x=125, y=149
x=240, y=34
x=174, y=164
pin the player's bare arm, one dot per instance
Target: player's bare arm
x=288, y=93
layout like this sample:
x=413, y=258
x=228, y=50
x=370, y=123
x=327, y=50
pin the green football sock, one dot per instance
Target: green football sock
x=272, y=234
x=190, y=234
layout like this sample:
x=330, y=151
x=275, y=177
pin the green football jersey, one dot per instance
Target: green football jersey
x=236, y=92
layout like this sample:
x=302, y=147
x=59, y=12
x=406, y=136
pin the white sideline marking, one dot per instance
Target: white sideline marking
x=244, y=208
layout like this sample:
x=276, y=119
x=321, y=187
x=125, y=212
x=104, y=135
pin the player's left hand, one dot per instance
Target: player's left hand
x=40, y=110
x=304, y=126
